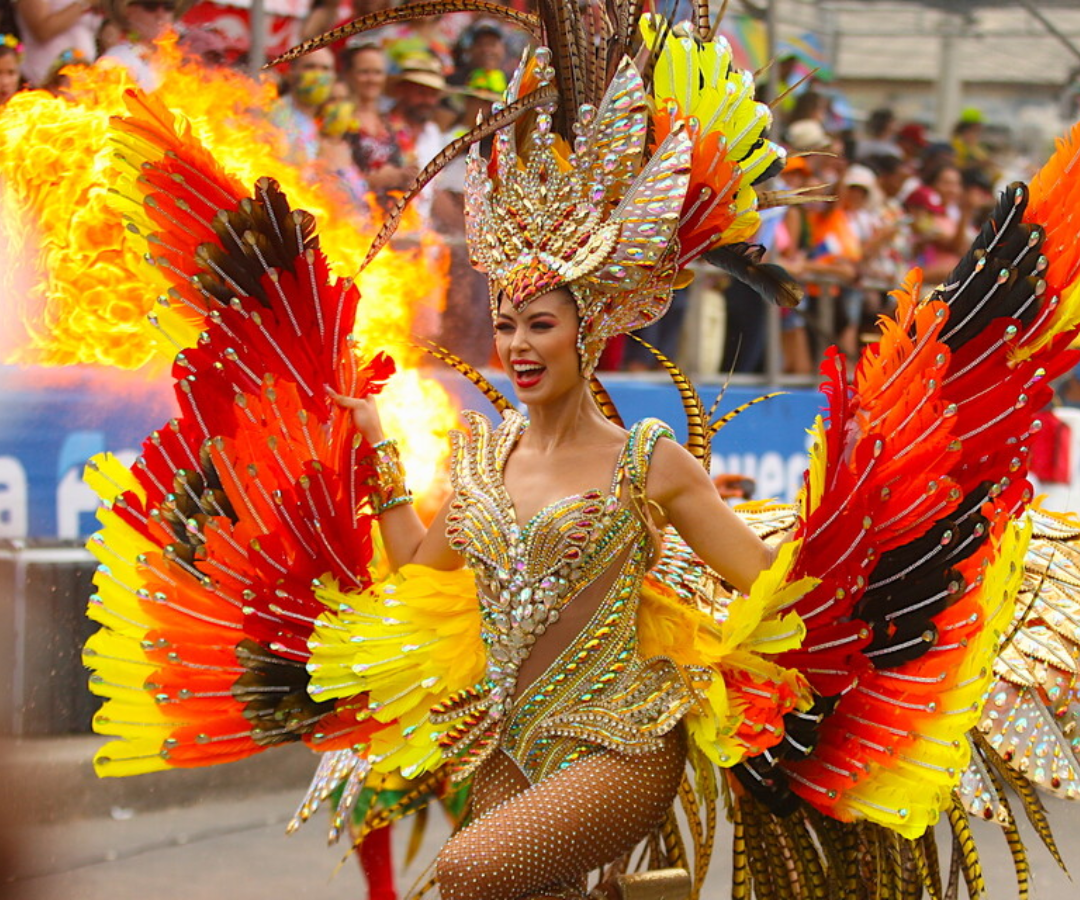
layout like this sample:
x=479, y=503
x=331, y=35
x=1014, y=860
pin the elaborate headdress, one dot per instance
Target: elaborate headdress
x=652, y=180
x=633, y=150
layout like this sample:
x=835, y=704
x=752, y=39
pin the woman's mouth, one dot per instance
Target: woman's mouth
x=527, y=373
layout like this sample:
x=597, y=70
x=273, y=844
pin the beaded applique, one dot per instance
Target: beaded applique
x=525, y=576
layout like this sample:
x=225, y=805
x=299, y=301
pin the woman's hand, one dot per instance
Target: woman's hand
x=365, y=414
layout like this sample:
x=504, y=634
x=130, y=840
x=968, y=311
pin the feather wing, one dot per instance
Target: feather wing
x=212, y=541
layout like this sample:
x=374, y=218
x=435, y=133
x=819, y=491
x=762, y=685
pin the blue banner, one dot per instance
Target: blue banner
x=53, y=420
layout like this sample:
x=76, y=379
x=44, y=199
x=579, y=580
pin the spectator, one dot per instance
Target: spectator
x=792, y=244
x=895, y=251
x=912, y=141
x=665, y=334
x=467, y=296
x=879, y=140
x=835, y=253
x=57, y=81
x=337, y=120
x=979, y=195
x=482, y=59
x=109, y=34
x=326, y=14
x=10, y=61
x=941, y=221
x=810, y=105
x=310, y=81
x=968, y=144
x=143, y=22
x=786, y=77
x=49, y=27
x=375, y=150
x=808, y=136
x=422, y=37
x=417, y=92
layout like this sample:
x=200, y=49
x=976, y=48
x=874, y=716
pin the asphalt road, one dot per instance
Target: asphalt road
x=237, y=850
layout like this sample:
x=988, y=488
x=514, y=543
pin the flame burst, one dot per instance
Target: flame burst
x=77, y=289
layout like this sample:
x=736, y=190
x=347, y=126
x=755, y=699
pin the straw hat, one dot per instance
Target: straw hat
x=424, y=70
x=806, y=135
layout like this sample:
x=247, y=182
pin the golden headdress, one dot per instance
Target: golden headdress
x=656, y=175
x=626, y=147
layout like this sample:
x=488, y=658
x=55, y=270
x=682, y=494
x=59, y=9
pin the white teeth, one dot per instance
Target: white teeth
x=527, y=367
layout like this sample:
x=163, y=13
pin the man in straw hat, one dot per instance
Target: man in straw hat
x=416, y=91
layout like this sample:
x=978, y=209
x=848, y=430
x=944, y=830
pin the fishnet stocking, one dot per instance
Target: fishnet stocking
x=529, y=842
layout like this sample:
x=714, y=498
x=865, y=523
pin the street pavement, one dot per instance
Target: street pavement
x=230, y=844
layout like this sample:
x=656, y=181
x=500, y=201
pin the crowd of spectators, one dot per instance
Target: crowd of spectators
x=884, y=196
x=368, y=114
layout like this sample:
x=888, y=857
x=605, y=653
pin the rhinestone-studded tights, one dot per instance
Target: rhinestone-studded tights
x=540, y=841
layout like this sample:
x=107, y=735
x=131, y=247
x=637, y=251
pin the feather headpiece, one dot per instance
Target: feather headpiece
x=648, y=180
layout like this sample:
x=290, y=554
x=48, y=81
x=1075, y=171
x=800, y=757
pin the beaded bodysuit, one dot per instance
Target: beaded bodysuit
x=597, y=693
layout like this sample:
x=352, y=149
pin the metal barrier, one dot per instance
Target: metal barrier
x=44, y=586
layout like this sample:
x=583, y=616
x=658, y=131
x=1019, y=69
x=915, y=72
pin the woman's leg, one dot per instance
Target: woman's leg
x=497, y=780
x=554, y=833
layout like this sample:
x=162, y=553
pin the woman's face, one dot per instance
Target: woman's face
x=538, y=346
x=949, y=185
x=367, y=76
x=9, y=76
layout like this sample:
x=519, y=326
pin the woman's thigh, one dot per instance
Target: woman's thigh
x=554, y=833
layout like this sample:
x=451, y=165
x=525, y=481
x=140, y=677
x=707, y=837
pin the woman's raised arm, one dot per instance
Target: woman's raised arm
x=405, y=537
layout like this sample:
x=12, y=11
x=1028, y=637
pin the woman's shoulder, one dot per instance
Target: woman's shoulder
x=650, y=430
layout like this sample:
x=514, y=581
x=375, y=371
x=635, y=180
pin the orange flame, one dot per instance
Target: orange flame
x=76, y=287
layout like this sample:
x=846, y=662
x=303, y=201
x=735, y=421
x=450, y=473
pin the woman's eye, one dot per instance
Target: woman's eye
x=542, y=326
x=504, y=328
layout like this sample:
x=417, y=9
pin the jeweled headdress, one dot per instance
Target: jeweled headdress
x=653, y=176
x=626, y=147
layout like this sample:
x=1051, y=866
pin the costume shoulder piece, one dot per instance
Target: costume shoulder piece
x=640, y=445
x=479, y=454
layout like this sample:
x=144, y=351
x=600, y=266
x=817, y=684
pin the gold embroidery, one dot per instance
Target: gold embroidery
x=598, y=692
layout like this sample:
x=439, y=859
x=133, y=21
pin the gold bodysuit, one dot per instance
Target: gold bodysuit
x=598, y=693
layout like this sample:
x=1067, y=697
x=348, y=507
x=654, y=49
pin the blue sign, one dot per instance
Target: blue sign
x=53, y=420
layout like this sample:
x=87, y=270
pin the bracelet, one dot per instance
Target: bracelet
x=390, y=489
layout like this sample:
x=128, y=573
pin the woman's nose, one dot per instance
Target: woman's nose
x=519, y=339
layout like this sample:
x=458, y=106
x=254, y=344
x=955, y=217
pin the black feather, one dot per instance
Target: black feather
x=743, y=261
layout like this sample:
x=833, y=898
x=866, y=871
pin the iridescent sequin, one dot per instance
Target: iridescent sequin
x=598, y=693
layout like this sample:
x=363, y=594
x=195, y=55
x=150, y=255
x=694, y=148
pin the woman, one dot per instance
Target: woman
x=942, y=220
x=374, y=146
x=245, y=612
x=10, y=62
x=544, y=819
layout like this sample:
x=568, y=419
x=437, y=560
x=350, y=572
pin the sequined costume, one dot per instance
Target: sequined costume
x=598, y=692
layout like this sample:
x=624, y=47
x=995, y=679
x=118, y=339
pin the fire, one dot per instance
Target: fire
x=78, y=291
